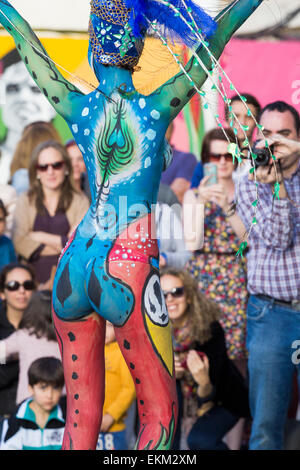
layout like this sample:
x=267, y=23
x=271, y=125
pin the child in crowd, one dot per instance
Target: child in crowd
x=34, y=338
x=119, y=395
x=39, y=421
x=7, y=251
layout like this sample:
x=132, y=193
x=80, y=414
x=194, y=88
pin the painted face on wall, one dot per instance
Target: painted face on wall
x=24, y=102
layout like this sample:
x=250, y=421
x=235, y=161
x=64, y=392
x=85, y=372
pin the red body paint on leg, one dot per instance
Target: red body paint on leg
x=155, y=384
x=82, y=350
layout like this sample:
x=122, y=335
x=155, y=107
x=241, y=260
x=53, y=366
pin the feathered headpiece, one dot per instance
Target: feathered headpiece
x=118, y=27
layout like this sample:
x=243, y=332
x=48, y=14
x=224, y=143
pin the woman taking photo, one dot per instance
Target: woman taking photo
x=212, y=391
x=49, y=212
x=220, y=274
x=17, y=283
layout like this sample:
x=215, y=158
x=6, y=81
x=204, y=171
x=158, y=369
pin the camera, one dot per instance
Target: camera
x=263, y=155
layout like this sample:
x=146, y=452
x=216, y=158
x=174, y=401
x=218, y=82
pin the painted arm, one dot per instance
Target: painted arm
x=177, y=91
x=59, y=92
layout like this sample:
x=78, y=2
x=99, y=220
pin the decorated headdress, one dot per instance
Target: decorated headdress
x=118, y=27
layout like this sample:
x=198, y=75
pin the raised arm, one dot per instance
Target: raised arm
x=59, y=92
x=177, y=91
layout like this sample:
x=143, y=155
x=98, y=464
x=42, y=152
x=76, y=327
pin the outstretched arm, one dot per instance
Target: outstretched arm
x=177, y=91
x=55, y=87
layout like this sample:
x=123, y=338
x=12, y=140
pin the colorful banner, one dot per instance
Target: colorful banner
x=269, y=70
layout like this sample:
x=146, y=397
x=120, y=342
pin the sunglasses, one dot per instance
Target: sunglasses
x=54, y=166
x=176, y=292
x=214, y=157
x=15, y=285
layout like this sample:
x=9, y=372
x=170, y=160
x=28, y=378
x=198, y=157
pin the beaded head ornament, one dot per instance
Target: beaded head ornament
x=118, y=27
x=111, y=38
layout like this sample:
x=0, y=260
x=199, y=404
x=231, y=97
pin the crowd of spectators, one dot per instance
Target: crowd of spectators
x=234, y=319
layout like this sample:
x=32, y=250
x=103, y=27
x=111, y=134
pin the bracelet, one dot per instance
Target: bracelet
x=210, y=397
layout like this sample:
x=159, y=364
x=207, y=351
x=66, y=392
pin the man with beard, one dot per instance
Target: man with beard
x=273, y=311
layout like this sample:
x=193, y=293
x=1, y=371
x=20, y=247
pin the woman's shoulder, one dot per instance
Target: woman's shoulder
x=79, y=198
x=217, y=339
x=23, y=200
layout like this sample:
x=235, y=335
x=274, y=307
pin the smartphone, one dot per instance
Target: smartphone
x=211, y=170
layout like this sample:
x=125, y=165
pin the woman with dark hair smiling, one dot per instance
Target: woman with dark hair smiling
x=49, y=212
x=17, y=283
x=34, y=338
x=221, y=276
x=213, y=393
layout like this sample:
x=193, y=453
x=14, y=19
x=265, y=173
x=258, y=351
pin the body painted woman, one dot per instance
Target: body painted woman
x=109, y=269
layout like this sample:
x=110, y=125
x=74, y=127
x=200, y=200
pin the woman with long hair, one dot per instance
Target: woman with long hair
x=212, y=391
x=33, y=134
x=34, y=338
x=49, y=212
x=17, y=284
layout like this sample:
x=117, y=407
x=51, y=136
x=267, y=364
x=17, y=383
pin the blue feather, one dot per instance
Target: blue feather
x=172, y=26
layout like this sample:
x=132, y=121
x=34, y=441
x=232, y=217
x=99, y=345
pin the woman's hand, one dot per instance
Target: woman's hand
x=214, y=193
x=179, y=370
x=52, y=242
x=199, y=368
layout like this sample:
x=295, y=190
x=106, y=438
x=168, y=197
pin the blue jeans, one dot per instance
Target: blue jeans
x=112, y=441
x=208, y=431
x=272, y=330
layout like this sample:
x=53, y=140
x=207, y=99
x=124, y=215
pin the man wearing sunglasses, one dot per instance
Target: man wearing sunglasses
x=17, y=284
x=273, y=275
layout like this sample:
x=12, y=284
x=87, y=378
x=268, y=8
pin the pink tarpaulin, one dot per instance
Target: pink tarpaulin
x=270, y=70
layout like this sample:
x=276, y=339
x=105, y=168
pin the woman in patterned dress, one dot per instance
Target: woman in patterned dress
x=220, y=273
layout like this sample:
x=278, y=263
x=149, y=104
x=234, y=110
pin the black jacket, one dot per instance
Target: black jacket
x=230, y=386
x=9, y=373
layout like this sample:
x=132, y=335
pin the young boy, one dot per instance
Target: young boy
x=39, y=421
x=7, y=251
x=119, y=395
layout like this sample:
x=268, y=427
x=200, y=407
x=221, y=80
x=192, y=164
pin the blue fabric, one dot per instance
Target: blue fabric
x=7, y=251
x=112, y=441
x=182, y=166
x=272, y=329
x=209, y=430
x=174, y=27
x=20, y=181
x=197, y=176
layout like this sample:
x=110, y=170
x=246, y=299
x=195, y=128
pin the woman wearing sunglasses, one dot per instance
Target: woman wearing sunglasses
x=212, y=392
x=48, y=213
x=35, y=337
x=17, y=283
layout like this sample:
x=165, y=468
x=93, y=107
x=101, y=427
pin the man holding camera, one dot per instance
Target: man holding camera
x=273, y=314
